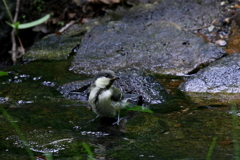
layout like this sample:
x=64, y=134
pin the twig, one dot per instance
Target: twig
x=69, y=25
x=9, y=13
x=23, y=50
x=66, y=26
x=14, y=51
x=14, y=46
x=192, y=29
x=16, y=11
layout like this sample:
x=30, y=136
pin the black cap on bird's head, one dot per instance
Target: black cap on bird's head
x=105, y=78
x=104, y=73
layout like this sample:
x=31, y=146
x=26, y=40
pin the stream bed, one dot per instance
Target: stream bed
x=35, y=114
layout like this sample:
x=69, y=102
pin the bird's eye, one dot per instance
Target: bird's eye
x=107, y=75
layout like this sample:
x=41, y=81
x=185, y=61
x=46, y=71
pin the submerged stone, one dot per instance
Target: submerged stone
x=139, y=83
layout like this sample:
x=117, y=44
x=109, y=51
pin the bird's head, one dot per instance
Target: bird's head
x=105, y=78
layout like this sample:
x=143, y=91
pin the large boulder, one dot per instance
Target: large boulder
x=150, y=37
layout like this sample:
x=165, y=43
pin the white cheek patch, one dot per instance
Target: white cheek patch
x=102, y=82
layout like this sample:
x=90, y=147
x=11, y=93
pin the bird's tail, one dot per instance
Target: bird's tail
x=133, y=107
x=127, y=97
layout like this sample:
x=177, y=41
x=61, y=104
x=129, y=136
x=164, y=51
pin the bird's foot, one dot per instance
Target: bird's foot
x=92, y=120
x=119, y=120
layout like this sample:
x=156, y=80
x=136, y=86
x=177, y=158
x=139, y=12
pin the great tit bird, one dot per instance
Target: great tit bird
x=105, y=99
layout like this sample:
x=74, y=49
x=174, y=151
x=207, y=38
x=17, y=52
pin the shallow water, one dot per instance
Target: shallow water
x=50, y=123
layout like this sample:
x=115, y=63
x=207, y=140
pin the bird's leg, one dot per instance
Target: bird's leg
x=118, y=120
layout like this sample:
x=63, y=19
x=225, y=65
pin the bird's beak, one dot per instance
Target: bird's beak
x=114, y=78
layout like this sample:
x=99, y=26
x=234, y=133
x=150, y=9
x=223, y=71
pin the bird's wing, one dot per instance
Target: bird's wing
x=116, y=94
x=130, y=96
x=127, y=97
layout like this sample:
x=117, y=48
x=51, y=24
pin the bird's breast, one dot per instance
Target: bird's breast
x=104, y=105
x=105, y=95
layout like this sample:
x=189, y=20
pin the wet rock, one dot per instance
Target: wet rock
x=54, y=46
x=130, y=83
x=75, y=90
x=189, y=14
x=149, y=37
x=59, y=46
x=144, y=85
x=221, y=76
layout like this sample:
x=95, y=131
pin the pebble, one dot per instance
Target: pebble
x=227, y=20
x=222, y=3
x=221, y=42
